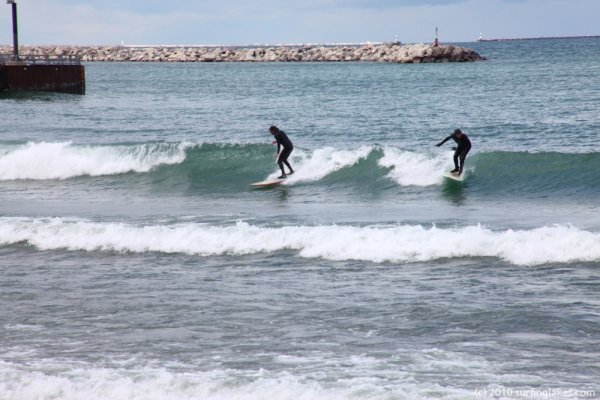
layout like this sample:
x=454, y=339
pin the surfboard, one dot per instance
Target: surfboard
x=450, y=175
x=268, y=182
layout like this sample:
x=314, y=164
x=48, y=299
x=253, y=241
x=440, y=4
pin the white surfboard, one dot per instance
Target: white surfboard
x=268, y=182
x=454, y=177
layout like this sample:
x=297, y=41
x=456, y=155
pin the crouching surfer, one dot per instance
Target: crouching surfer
x=460, y=151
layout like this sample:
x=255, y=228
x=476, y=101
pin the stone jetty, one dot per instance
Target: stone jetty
x=392, y=53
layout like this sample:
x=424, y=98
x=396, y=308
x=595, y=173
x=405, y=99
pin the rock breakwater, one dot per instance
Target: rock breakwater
x=393, y=53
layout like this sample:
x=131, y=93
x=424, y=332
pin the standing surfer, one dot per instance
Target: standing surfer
x=282, y=141
x=460, y=151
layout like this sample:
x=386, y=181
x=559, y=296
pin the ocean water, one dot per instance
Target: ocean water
x=136, y=262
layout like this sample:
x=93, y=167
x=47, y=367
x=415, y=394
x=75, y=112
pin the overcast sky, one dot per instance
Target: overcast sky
x=180, y=22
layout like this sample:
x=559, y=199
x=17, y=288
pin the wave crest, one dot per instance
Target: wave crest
x=63, y=160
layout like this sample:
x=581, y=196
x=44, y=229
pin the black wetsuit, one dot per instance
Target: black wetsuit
x=464, y=145
x=286, y=143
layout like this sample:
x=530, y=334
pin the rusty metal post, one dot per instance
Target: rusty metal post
x=15, y=29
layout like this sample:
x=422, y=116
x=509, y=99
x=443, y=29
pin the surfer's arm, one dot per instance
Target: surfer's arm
x=278, y=141
x=444, y=141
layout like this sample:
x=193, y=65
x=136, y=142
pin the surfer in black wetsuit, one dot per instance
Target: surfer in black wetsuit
x=460, y=151
x=282, y=141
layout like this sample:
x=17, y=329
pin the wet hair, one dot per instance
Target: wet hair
x=457, y=131
x=273, y=129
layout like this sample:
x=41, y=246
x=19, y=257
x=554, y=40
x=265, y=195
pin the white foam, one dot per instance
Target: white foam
x=80, y=381
x=322, y=162
x=415, y=169
x=62, y=160
x=397, y=243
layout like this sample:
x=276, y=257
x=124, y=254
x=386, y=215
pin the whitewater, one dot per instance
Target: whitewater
x=63, y=160
x=403, y=244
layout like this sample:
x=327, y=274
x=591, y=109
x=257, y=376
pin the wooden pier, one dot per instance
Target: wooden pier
x=40, y=73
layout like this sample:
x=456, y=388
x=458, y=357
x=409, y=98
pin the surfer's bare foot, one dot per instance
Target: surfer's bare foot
x=282, y=176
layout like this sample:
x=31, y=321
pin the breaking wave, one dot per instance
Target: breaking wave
x=394, y=243
x=212, y=165
x=63, y=160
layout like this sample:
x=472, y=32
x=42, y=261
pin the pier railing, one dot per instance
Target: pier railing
x=41, y=59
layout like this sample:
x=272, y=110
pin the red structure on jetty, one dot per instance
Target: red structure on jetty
x=39, y=73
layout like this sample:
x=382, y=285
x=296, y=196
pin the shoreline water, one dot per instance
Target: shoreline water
x=387, y=52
